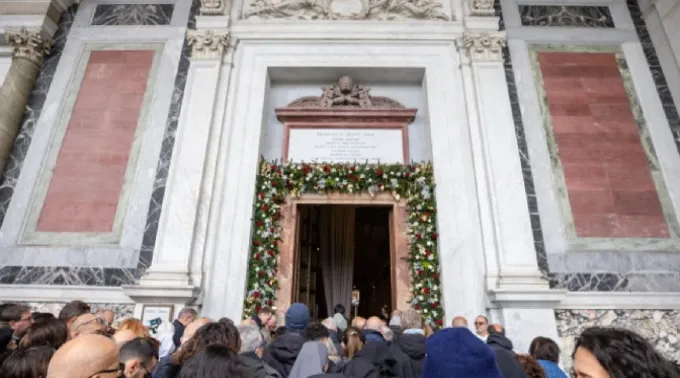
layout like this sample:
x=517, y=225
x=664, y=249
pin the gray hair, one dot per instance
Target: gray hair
x=410, y=319
x=251, y=338
x=187, y=312
x=330, y=324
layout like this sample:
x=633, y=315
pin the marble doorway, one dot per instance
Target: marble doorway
x=398, y=269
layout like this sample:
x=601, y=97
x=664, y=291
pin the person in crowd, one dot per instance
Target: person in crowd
x=87, y=324
x=122, y=337
x=139, y=357
x=216, y=333
x=334, y=357
x=359, y=322
x=88, y=356
x=412, y=340
x=18, y=318
x=429, y=331
x=387, y=333
x=185, y=316
x=213, y=361
x=52, y=333
x=39, y=317
x=252, y=348
x=164, y=334
x=506, y=357
x=27, y=363
x=108, y=316
x=456, y=352
x=547, y=353
x=459, y=321
x=333, y=334
x=316, y=332
x=482, y=327
x=263, y=316
x=269, y=328
x=272, y=323
x=283, y=351
x=531, y=367
x=134, y=325
x=72, y=310
x=352, y=341
x=166, y=361
x=375, y=357
x=312, y=360
x=395, y=324
x=339, y=317
x=618, y=353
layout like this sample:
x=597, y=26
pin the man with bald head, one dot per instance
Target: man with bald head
x=505, y=356
x=88, y=356
x=359, y=322
x=459, y=322
x=88, y=324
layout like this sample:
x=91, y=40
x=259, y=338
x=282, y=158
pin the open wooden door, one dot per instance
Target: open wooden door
x=307, y=258
x=393, y=265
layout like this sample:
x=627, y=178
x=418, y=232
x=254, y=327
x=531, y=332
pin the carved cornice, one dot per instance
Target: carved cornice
x=29, y=44
x=207, y=44
x=482, y=8
x=485, y=46
x=212, y=7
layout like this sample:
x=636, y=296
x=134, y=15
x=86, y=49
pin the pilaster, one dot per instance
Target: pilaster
x=29, y=48
x=518, y=293
x=176, y=269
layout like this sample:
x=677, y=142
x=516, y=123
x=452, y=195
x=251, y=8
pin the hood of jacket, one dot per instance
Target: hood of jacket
x=413, y=345
x=499, y=340
x=286, y=348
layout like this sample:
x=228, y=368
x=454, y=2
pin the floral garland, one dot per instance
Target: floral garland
x=414, y=182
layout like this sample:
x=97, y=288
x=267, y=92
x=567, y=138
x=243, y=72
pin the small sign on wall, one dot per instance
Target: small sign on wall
x=154, y=316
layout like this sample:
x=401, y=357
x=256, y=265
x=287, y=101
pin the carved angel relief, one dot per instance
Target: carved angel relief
x=383, y=10
x=346, y=94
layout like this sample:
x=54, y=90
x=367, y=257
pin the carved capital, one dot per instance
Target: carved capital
x=484, y=46
x=482, y=8
x=213, y=7
x=29, y=44
x=207, y=44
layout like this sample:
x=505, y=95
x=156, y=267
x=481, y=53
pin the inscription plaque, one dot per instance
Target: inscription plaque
x=338, y=145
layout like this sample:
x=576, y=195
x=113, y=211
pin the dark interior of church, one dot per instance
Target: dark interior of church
x=372, y=275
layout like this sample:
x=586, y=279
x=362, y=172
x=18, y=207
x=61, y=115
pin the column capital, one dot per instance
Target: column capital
x=208, y=44
x=485, y=46
x=212, y=7
x=29, y=44
x=482, y=8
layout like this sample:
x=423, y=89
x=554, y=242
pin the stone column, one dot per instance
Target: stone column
x=28, y=51
x=516, y=289
x=175, y=273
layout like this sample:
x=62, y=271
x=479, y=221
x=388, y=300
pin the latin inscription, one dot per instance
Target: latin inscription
x=346, y=145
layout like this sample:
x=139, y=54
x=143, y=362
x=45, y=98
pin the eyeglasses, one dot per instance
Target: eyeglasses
x=480, y=323
x=119, y=370
x=28, y=319
x=99, y=321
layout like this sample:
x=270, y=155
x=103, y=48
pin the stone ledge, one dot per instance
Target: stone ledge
x=620, y=301
x=526, y=298
x=161, y=294
x=62, y=293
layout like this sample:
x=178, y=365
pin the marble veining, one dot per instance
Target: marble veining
x=523, y=154
x=659, y=327
x=133, y=14
x=566, y=16
x=70, y=275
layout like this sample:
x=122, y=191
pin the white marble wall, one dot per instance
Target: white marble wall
x=5, y=61
x=121, y=310
x=660, y=327
x=410, y=95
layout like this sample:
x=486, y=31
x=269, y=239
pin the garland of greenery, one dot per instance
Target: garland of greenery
x=414, y=182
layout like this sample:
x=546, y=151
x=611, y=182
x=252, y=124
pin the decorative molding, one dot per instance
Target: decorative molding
x=484, y=8
x=485, y=46
x=212, y=7
x=207, y=44
x=383, y=10
x=346, y=94
x=620, y=301
x=132, y=14
x=62, y=293
x=566, y=16
x=29, y=44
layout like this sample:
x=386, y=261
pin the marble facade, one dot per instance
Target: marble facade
x=504, y=254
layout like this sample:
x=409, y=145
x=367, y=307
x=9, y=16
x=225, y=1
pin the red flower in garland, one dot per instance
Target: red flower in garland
x=418, y=236
x=408, y=174
x=420, y=272
x=273, y=167
x=261, y=273
x=434, y=305
x=259, y=223
x=416, y=307
x=260, y=196
x=380, y=186
x=272, y=229
x=435, y=276
x=256, y=256
x=256, y=243
x=379, y=172
x=439, y=322
x=265, y=207
x=326, y=169
x=270, y=252
x=426, y=290
x=434, y=236
x=355, y=178
x=259, y=308
x=256, y=294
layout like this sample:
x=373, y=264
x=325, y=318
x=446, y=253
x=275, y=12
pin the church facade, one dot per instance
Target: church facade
x=161, y=154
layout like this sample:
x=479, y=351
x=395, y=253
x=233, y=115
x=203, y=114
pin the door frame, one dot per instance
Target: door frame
x=399, y=243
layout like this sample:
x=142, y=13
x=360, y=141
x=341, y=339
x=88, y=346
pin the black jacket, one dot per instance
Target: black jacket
x=413, y=346
x=374, y=360
x=506, y=358
x=166, y=369
x=179, y=331
x=281, y=354
x=254, y=367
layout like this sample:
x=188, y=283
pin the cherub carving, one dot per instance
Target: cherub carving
x=346, y=93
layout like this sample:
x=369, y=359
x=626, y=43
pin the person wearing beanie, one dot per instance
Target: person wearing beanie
x=283, y=352
x=457, y=353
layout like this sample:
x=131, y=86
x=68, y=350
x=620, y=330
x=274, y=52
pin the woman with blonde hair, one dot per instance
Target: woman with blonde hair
x=352, y=342
x=134, y=325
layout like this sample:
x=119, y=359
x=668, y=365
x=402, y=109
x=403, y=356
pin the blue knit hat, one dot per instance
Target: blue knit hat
x=297, y=316
x=457, y=353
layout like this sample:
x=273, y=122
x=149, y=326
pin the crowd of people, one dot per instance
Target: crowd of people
x=81, y=344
